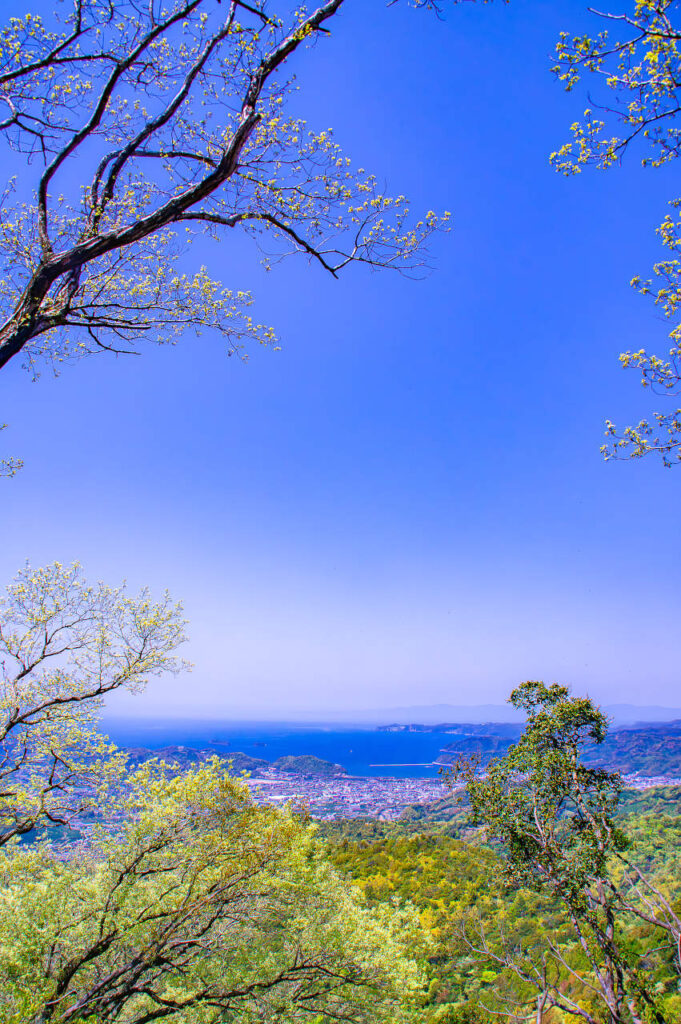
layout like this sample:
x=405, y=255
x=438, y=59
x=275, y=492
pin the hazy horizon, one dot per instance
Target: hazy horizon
x=622, y=714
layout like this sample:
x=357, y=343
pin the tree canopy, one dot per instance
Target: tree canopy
x=190, y=904
x=142, y=123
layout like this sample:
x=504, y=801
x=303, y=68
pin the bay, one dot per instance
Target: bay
x=360, y=751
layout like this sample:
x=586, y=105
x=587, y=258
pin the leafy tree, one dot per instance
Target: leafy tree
x=641, y=71
x=194, y=905
x=183, y=900
x=554, y=819
x=64, y=645
x=146, y=123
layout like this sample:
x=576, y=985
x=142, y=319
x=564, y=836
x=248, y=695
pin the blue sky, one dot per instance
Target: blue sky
x=406, y=504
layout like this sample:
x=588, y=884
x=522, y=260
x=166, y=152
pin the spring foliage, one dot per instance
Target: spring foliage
x=143, y=123
x=461, y=894
x=64, y=645
x=193, y=905
x=634, y=64
x=185, y=901
x=554, y=819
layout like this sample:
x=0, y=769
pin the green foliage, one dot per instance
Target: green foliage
x=648, y=751
x=452, y=810
x=658, y=800
x=447, y=881
x=553, y=816
x=460, y=893
x=570, y=894
x=187, y=757
x=199, y=907
x=554, y=820
x=64, y=645
x=184, y=901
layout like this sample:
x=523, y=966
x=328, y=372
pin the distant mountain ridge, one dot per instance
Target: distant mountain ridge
x=649, y=750
x=489, y=714
x=445, y=717
x=510, y=730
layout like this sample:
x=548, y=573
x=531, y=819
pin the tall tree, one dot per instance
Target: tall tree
x=554, y=820
x=636, y=76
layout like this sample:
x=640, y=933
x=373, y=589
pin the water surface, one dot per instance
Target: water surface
x=360, y=751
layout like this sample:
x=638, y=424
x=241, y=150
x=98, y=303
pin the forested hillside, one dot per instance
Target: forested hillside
x=459, y=891
x=651, y=750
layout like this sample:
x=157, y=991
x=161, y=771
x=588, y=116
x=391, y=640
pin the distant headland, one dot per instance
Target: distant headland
x=182, y=757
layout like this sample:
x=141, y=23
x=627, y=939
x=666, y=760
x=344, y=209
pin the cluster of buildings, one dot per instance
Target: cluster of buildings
x=346, y=796
x=638, y=781
x=384, y=799
x=331, y=797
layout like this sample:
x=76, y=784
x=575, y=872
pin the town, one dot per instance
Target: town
x=346, y=796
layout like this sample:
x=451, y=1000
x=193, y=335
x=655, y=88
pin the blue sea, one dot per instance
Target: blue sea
x=361, y=751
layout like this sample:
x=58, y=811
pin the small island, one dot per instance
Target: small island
x=307, y=764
